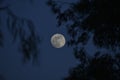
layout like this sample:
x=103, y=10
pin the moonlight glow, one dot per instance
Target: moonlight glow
x=58, y=40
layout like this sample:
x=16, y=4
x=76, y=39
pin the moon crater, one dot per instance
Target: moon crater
x=58, y=40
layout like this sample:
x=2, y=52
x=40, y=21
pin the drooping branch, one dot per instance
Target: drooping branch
x=23, y=30
x=28, y=40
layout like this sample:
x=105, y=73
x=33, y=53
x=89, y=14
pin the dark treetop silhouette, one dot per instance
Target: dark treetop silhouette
x=22, y=29
x=100, y=18
x=101, y=67
x=2, y=77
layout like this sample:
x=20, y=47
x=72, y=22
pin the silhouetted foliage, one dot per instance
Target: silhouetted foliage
x=1, y=39
x=2, y=77
x=96, y=19
x=100, y=17
x=23, y=30
x=101, y=67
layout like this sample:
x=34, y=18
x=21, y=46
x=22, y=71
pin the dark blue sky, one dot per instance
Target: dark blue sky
x=54, y=63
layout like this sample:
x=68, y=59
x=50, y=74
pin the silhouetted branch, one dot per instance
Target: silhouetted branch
x=96, y=20
x=50, y=2
x=3, y=8
x=24, y=30
x=1, y=39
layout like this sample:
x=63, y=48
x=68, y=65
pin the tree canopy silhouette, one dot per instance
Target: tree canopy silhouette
x=98, y=20
x=22, y=29
x=100, y=17
x=101, y=67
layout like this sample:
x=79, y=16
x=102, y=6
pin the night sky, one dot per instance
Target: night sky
x=54, y=64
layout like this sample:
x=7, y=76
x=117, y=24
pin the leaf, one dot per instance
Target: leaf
x=1, y=39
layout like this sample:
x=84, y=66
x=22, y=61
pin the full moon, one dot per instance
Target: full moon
x=58, y=40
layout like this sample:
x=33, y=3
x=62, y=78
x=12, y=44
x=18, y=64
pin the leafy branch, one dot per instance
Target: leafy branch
x=23, y=30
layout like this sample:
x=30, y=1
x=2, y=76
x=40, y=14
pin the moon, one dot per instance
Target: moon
x=58, y=40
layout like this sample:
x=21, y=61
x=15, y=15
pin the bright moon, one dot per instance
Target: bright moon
x=58, y=40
